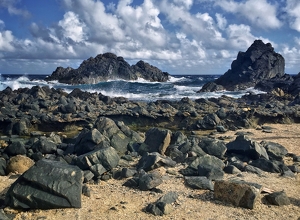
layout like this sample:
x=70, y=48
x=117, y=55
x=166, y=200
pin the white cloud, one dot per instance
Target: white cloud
x=260, y=13
x=239, y=36
x=293, y=11
x=221, y=21
x=102, y=27
x=72, y=27
x=6, y=39
x=141, y=23
x=200, y=27
x=10, y=5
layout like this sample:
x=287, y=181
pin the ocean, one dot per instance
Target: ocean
x=178, y=87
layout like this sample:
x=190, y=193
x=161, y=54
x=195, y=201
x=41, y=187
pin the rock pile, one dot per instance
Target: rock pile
x=63, y=166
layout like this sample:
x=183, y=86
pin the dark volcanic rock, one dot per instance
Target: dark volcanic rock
x=47, y=185
x=199, y=182
x=158, y=140
x=154, y=160
x=244, y=146
x=278, y=198
x=259, y=63
x=149, y=181
x=266, y=165
x=163, y=205
x=107, y=66
x=275, y=151
x=107, y=157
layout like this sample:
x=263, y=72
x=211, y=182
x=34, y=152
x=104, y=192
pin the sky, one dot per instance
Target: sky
x=177, y=36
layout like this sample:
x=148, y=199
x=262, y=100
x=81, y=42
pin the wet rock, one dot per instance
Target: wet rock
x=237, y=193
x=278, y=198
x=47, y=185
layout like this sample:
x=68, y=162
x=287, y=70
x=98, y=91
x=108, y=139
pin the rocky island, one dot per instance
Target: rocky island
x=105, y=67
x=112, y=158
x=259, y=67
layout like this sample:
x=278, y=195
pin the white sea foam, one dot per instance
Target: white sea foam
x=173, y=79
x=187, y=88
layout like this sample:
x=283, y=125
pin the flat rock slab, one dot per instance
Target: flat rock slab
x=47, y=185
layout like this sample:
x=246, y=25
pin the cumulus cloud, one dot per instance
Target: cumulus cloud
x=259, y=13
x=293, y=9
x=72, y=28
x=6, y=39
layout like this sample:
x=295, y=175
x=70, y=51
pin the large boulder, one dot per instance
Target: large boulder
x=259, y=63
x=244, y=146
x=47, y=185
x=237, y=193
x=107, y=66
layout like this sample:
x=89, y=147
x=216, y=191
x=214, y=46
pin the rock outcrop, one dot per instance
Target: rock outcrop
x=105, y=67
x=259, y=63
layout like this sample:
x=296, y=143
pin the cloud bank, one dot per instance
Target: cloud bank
x=172, y=34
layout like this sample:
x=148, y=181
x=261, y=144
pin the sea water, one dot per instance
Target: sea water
x=176, y=88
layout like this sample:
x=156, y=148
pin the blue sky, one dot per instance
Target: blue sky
x=178, y=36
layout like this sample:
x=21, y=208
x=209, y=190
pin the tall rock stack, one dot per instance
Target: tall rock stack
x=259, y=63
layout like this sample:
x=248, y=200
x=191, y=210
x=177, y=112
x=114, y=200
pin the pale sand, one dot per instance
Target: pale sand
x=111, y=200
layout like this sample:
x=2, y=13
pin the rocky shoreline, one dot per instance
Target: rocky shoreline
x=95, y=138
